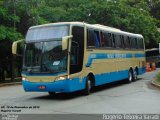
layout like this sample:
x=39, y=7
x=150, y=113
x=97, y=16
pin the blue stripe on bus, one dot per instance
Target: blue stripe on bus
x=114, y=76
x=139, y=55
x=94, y=56
x=75, y=84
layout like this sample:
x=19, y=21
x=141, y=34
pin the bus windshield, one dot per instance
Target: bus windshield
x=43, y=50
x=45, y=57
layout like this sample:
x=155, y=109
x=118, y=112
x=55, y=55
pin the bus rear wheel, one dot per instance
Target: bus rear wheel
x=87, y=89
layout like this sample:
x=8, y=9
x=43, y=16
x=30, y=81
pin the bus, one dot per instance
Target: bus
x=74, y=56
x=153, y=56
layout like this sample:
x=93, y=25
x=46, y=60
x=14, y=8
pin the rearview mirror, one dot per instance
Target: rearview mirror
x=14, y=46
x=65, y=42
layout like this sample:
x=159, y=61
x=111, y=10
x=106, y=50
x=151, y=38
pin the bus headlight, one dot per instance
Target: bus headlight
x=60, y=78
x=24, y=79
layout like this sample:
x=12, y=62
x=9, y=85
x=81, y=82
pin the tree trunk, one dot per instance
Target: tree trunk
x=12, y=67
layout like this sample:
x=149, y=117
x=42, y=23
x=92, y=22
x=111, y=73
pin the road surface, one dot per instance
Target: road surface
x=120, y=98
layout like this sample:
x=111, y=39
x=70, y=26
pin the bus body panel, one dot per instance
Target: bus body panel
x=113, y=76
x=113, y=65
x=57, y=86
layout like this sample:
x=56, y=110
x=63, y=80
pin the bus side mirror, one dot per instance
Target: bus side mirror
x=14, y=46
x=65, y=42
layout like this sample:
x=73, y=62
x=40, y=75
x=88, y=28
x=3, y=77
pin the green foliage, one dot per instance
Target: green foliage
x=158, y=77
x=7, y=33
x=155, y=10
x=130, y=15
x=7, y=30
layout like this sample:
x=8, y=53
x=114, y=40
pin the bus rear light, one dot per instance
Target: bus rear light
x=42, y=87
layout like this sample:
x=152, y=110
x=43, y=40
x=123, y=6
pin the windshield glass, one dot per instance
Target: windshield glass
x=46, y=33
x=43, y=49
x=46, y=57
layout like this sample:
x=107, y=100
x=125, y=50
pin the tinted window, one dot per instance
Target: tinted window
x=97, y=38
x=109, y=39
x=117, y=41
x=140, y=44
x=136, y=44
x=122, y=42
x=129, y=42
x=90, y=38
x=133, y=43
x=113, y=41
x=126, y=44
x=102, y=39
x=106, y=39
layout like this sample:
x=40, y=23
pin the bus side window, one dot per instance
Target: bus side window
x=129, y=42
x=108, y=39
x=125, y=42
x=90, y=38
x=140, y=44
x=117, y=41
x=102, y=40
x=122, y=42
x=113, y=41
x=97, y=39
x=132, y=42
x=136, y=43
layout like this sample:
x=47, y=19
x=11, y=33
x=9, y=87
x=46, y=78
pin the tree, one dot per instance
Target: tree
x=8, y=34
x=155, y=9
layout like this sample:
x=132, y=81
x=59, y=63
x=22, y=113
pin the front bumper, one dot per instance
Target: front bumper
x=57, y=86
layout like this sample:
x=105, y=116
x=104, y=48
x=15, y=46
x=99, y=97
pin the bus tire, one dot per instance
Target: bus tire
x=52, y=94
x=87, y=89
x=130, y=76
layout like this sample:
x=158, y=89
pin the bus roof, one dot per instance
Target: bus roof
x=153, y=49
x=93, y=26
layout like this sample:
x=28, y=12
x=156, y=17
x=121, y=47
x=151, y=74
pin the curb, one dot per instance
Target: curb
x=155, y=84
x=9, y=84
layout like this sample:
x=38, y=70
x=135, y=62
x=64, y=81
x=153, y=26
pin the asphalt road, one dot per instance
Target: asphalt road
x=137, y=97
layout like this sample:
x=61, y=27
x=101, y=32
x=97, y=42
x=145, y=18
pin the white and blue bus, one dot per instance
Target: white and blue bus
x=73, y=56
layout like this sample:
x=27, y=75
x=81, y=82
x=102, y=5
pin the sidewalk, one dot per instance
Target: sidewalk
x=156, y=83
x=8, y=82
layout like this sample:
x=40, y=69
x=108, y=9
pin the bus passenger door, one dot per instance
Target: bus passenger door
x=74, y=58
x=77, y=50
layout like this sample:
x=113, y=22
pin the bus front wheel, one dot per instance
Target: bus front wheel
x=88, y=86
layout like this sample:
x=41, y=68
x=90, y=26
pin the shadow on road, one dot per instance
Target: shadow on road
x=68, y=96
